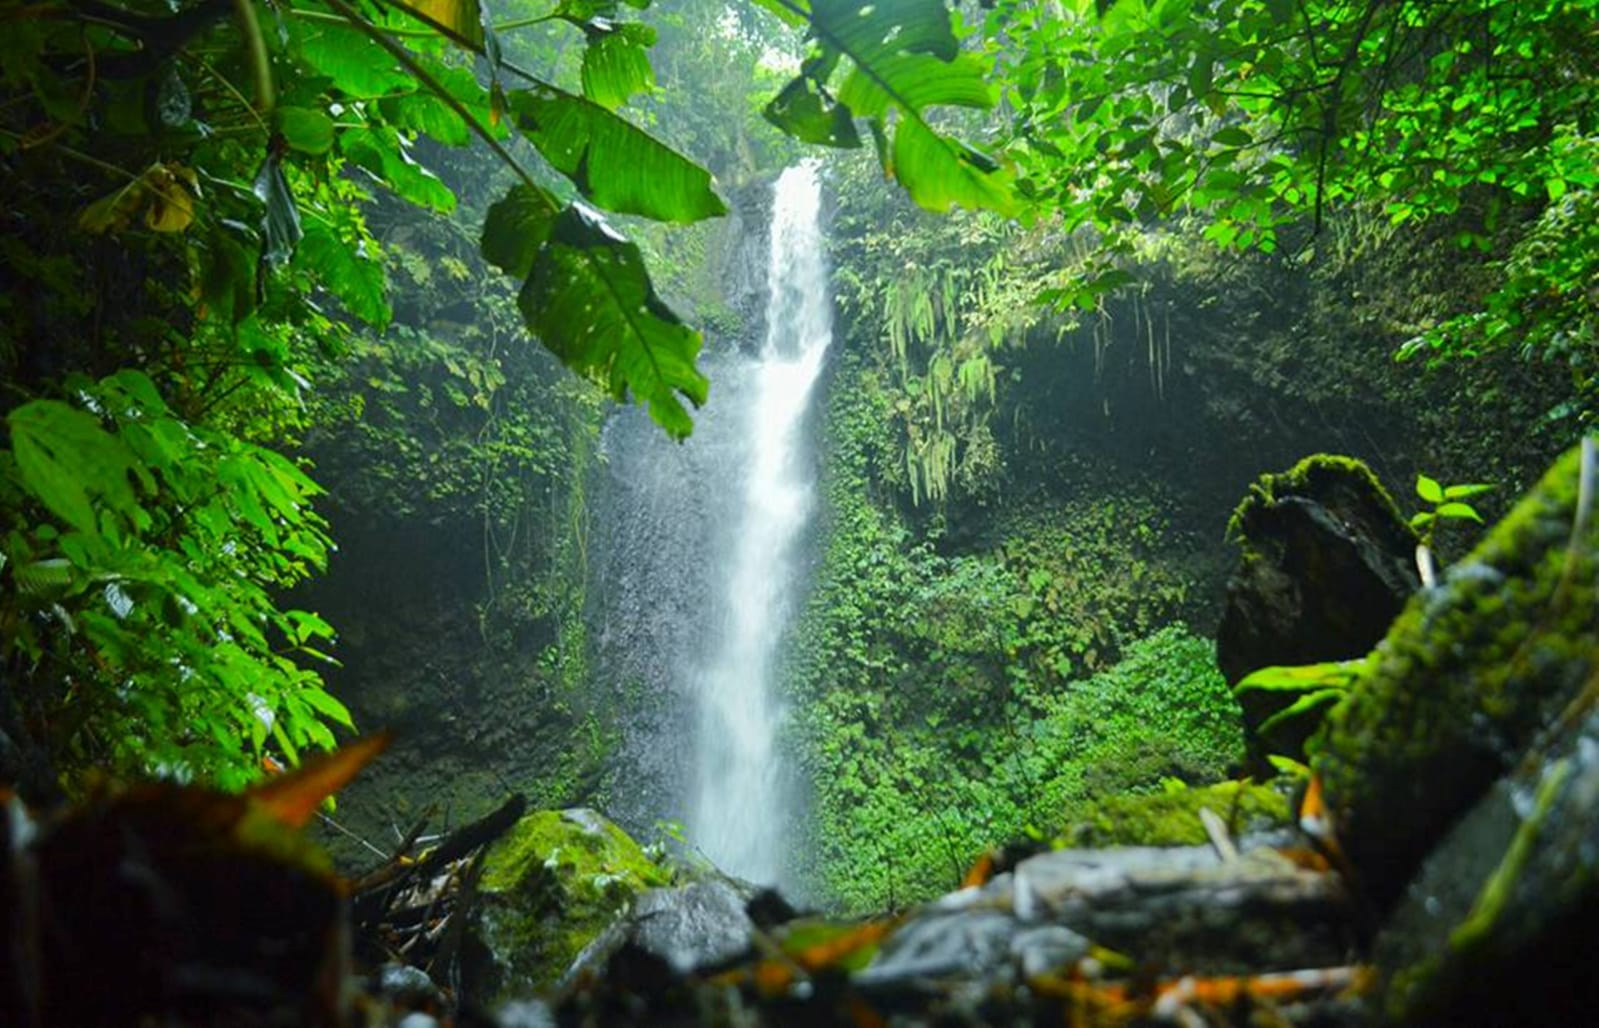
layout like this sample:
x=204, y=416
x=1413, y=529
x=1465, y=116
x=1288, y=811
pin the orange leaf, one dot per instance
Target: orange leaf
x=830, y=952
x=291, y=799
x=980, y=872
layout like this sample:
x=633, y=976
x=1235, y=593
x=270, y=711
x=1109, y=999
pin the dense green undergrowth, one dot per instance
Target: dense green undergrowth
x=949, y=701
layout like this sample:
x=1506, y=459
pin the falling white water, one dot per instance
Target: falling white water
x=739, y=812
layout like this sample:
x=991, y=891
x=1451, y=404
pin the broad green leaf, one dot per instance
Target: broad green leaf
x=227, y=272
x=516, y=227
x=1429, y=489
x=67, y=461
x=590, y=301
x=425, y=113
x=1233, y=136
x=1288, y=766
x=885, y=29
x=1301, y=677
x=1200, y=76
x=904, y=59
x=323, y=702
x=359, y=67
x=1465, y=491
x=382, y=153
x=939, y=173
x=793, y=14
x=915, y=82
x=137, y=387
x=1109, y=281
x=805, y=113
x=613, y=163
x=347, y=273
x=306, y=130
x=1305, y=705
x=615, y=63
x=46, y=580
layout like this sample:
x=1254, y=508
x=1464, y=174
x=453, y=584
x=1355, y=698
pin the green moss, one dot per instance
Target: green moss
x=1466, y=678
x=1316, y=476
x=1172, y=818
x=549, y=887
x=572, y=843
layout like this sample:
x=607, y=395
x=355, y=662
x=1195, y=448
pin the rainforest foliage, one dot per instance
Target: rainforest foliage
x=245, y=237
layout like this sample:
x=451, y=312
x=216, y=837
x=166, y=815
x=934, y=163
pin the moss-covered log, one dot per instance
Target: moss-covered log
x=1469, y=675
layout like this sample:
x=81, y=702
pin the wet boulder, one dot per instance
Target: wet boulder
x=1327, y=563
x=549, y=887
x=702, y=924
x=1470, y=675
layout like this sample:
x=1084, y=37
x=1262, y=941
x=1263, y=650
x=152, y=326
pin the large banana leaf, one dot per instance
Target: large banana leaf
x=615, y=164
x=615, y=62
x=360, y=68
x=385, y=155
x=588, y=298
x=904, y=60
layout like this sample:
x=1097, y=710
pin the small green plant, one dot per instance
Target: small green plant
x=1447, y=501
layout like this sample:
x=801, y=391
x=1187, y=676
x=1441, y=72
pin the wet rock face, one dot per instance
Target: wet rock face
x=1472, y=673
x=1327, y=564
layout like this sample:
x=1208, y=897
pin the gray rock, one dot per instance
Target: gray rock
x=1046, y=948
x=972, y=943
x=697, y=925
x=406, y=984
x=1185, y=907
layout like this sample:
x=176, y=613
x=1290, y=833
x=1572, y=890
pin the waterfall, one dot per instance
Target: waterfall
x=739, y=808
x=697, y=559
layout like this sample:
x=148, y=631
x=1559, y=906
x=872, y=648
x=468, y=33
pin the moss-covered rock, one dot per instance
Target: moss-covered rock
x=1172, y=818
x=1470, y=674
x=1326, y=566
x=549, y=887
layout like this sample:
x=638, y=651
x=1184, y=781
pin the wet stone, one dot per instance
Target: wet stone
x=971, y=943
x=697, y=925
x=1184, y=906
x=1047, y=948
